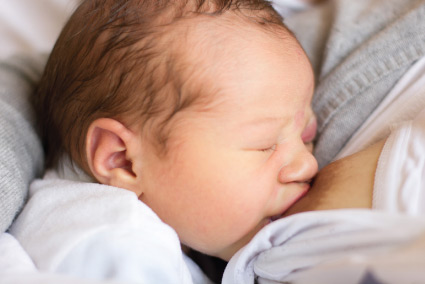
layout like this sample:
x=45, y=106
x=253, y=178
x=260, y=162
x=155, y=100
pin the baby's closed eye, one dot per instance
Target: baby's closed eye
x=268, y=149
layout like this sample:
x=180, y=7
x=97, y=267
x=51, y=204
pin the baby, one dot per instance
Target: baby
x=201, y=108
x=196, y=112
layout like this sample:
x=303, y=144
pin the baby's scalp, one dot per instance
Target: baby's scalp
x=123, y=60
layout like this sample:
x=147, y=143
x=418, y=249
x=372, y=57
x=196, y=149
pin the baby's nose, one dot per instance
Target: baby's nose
x=302, y=168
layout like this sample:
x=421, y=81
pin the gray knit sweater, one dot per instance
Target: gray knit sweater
x=359, y=50
x=21, y=155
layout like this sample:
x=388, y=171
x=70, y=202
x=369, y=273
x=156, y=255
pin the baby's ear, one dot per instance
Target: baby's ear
x=107, y=146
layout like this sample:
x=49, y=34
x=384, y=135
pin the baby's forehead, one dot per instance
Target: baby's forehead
x=200, y=43
x=213, y=44
x=208, y=55
x=229, y=31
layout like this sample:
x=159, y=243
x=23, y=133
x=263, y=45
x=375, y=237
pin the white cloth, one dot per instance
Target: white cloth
x=288, y=7
x=31, y=27
x=400, y=175
x=13, y=257
x=403, y=264
x=285, y=249
x=97, y=232
x=16, y=267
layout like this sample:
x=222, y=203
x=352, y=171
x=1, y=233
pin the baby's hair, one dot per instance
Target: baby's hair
x=118, y=59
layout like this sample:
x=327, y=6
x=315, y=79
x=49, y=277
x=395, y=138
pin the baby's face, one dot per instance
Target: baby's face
x=237, y=165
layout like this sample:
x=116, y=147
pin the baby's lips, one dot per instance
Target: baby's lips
x=300, y=194
x=310, y=131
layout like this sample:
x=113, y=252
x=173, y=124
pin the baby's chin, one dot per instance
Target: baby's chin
x=227, y=252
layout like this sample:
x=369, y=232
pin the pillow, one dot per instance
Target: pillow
x=21, y=153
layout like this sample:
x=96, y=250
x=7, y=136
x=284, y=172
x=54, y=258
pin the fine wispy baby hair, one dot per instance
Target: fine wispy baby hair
x=127, y=60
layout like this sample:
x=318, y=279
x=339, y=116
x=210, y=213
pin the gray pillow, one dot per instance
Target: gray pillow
x=21, y=154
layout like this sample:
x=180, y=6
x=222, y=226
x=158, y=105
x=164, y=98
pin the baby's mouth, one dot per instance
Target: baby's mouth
x=301, y=195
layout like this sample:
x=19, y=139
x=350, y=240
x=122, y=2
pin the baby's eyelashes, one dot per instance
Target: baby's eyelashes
x=269, y=149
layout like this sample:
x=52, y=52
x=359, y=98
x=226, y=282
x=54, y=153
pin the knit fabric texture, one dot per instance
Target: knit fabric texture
x=21, y=156
x=359, y=50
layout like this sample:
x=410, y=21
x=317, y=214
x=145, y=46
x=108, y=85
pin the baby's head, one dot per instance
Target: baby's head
x=201, y=108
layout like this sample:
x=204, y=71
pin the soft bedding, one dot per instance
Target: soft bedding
x=17, y=267
x=302, y=248
x=91, y=237
x=31, y=27
x=356, y=66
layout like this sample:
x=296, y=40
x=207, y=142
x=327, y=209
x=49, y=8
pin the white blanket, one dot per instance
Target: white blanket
x=286, y=249
x=400, y=176
x=16, y=267
x=31, y=27
x=99, y=232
